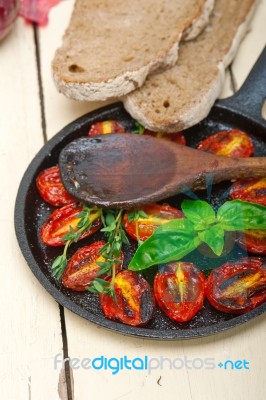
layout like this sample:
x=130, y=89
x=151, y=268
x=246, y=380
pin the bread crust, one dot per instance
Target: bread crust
x=182, y=96
x=77, y=67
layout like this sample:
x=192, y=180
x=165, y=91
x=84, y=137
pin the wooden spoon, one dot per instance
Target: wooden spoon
x=126, y=170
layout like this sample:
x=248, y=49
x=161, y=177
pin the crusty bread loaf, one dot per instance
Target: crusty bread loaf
x=110, y=46
x=183, y=95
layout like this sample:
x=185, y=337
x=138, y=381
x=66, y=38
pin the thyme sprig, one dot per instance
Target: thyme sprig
x=86, y=218
x=111, y=251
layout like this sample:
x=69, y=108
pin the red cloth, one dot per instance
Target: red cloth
x=36, y=10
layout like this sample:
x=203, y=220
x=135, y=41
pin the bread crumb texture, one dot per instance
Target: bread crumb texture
x=110, y=47
x=184, y=94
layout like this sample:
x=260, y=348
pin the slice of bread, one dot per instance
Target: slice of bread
x=183, y=95
x=110, y=46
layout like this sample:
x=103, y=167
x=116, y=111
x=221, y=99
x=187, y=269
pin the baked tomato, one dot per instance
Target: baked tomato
x=105, y=127
x=177, y=137
x=180, y=290
x=233, y=143
x=254, y=241
x=66, y=219
x=154, y=215
x=51, y=187
x=237, y=287
x=253, y=190
x=84, y=266
x=133, y=303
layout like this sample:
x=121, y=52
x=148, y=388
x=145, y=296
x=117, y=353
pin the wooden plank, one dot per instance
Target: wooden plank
x=251, y=46
x=86, y=340
x=30, y=333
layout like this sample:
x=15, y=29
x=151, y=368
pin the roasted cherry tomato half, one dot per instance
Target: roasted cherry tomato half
x=157, y=214
x=233, y=143
x=237, y=287
x=83, y=267
x=51, y=187
x=254, y=241
x=177, y=137
x=253, y=190
x=180, y=290
x=133, y=303
x=60, y=221
x=105, y=127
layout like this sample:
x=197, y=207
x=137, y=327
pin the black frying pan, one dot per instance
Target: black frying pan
x=242, y=111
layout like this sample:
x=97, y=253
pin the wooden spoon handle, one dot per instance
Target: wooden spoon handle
x=239, y=168
x=192, y=166
x=231, y=168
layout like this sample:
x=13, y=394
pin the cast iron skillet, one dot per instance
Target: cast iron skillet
x=243, y=111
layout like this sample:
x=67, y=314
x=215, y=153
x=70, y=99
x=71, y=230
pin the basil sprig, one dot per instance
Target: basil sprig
x=177, y=238
x=237, y=215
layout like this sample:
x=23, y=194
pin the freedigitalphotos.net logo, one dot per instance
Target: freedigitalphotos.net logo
x=146, y=363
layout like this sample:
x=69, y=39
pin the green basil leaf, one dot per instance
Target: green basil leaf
x=164, y=247
x=214, y=238
x=179, y=224
x=237, y=215
x=199, y=212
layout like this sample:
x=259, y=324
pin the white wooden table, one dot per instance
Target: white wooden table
x=34, y=329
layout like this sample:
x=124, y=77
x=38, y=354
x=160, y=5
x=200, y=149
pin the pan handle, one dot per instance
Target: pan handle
x=249, y=99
